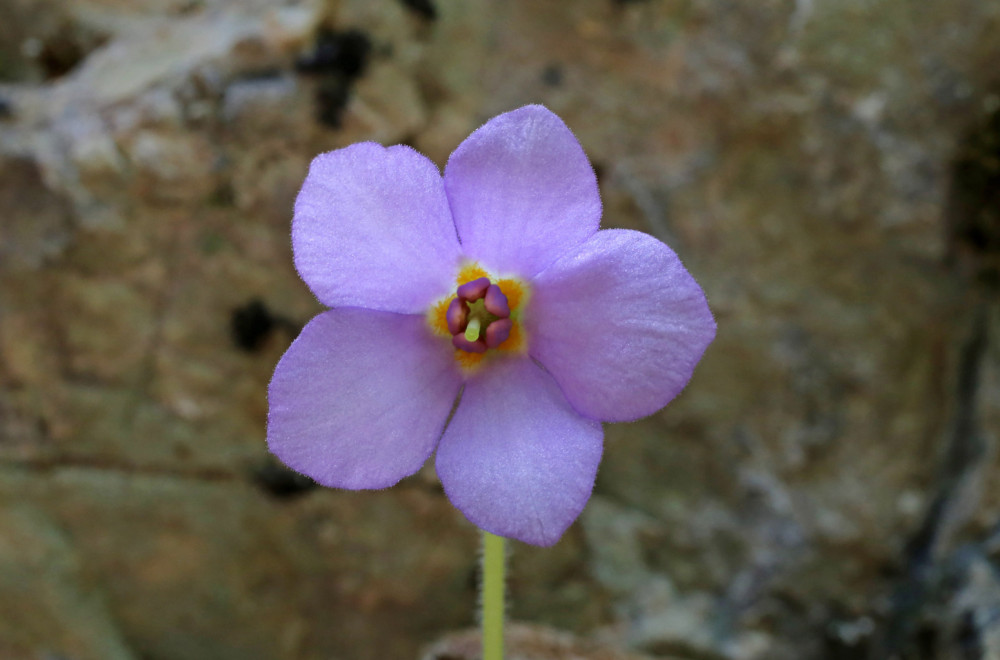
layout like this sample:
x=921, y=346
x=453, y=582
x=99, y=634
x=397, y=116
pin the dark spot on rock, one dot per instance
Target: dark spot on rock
x=6, y=109
x=925, y=641
x=64, y=51
x=278, y=481
x=332, y=96
x=251, y=324
x=973, y=205
x=424, y=8
x=338, y=58
x=337, y=52
x=552, y=75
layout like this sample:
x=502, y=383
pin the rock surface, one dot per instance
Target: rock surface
x=825, y=488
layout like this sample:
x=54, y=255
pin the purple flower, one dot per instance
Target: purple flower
x=492, y=281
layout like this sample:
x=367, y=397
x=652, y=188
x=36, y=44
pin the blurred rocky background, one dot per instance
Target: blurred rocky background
x=827, y=487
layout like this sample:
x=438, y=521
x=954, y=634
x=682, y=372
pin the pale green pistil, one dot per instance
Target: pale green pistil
x=479, y=318
x=472, y=330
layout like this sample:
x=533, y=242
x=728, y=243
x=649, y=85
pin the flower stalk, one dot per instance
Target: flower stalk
x=492, y=600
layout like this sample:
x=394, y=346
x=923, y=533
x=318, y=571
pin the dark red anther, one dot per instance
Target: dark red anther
x=457, y=316
x=474, y=290
x=459, y=341
x=497, y=332
x=496, y=302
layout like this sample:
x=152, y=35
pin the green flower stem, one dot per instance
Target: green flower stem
x=494, y=562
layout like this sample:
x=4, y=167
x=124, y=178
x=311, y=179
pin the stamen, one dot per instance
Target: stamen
x=472, y=330
x=496, y=302
x=474, y=290
x=457, y=316
x=497, y=332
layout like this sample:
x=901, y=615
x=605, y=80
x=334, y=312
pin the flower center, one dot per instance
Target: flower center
x=479, y=316
x=483, y=317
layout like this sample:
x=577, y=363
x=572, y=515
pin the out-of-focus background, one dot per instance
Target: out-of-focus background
x=825, y=488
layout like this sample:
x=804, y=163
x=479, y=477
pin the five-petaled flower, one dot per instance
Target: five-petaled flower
x=492, y=283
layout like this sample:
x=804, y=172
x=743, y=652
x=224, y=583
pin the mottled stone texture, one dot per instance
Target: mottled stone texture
x=826, y=488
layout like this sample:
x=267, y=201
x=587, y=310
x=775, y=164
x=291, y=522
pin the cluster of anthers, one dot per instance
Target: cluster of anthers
x=483, y=314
